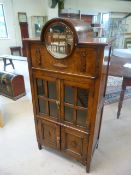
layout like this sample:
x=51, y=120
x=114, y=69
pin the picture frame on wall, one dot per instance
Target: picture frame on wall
x=37, y=24
x=22, y=17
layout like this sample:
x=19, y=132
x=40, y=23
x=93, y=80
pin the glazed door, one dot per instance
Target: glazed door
x=64, y=101
x=48, y=97
x=75, y=104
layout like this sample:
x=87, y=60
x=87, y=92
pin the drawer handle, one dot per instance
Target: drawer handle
x=38, y=56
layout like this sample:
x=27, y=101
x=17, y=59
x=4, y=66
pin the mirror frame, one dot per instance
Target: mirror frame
x=65, y=23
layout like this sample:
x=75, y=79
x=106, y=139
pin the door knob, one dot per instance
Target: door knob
x=58, y=104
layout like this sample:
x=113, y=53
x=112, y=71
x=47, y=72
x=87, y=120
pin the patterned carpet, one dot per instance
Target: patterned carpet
x=113, y=90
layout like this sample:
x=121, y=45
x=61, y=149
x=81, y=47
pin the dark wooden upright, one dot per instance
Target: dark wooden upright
x=68, y=73
x=24, y=34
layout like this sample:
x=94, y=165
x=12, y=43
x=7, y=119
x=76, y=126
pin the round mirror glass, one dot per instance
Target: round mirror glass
x=59, y=40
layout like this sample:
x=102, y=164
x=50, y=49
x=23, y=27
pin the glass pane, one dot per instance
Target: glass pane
x=52, y=90
x=82, y=96
x=69, y=98
x=53, y=109
x=42, y=105
x=40, y=87
x=69, y=114
x=81, y=117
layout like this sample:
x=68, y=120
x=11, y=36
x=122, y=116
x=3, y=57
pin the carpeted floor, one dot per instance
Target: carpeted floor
x=113, y=90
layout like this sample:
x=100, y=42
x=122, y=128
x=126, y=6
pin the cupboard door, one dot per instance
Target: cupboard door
x=75, y=104
x=50, y=134
x=74, y=143
x=47, y=94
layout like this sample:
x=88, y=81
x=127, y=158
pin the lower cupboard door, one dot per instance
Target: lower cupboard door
x=50, y=134
x=74, y=144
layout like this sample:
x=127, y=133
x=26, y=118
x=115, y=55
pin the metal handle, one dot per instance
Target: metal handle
x=58, y=104
x=58, y=141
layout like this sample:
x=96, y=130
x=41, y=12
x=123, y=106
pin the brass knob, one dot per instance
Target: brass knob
x=58, y=141
x=58, y=104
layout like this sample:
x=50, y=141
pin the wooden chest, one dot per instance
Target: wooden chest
x=12, y=85
x=68, y=73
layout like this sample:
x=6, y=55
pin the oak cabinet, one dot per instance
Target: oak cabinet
x=68, y=73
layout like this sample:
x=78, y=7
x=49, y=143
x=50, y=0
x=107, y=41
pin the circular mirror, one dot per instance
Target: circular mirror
x=59, y=40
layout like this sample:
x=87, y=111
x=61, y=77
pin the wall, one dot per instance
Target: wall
x=32, y=8
x=12, y=7
x=99, y=5
x=128, y=22
x=53, y=13
x=6, y=43
x=40, y=8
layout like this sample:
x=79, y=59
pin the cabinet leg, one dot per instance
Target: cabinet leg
x=97, y=145
x=39, y=146
x=88, y=168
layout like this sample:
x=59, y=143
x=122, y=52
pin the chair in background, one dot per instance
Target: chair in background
x=16, y=50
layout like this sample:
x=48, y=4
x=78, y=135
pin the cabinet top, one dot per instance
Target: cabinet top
x=60, y=36
x=77, y=30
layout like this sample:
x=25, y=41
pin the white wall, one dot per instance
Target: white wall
x=12, y=7
x=40, y=8
x=31, y=7
x=128, y=22
x=11, y=41
x=99, y=5
x=53, y=12
x=50, y=12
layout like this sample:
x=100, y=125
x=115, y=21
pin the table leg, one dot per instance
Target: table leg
x=6, y=64
x=11, y=62
x=121, y=97
x=4, y=60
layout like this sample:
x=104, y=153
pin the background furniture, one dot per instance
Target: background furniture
x=126, y=82
x=10, y=58
x=12, y=85
x=127, y=43
x=15, y=50
x=68, y=90
x=22, y=17
x=5, y=60
x=117, y=69
x=24, y=34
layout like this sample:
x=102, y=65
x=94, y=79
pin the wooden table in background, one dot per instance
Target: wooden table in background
x=10, y=59
x=117, y=69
